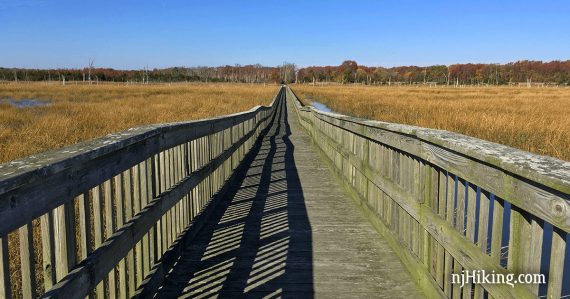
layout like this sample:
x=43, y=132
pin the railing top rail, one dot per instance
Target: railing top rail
x=14, y=173
x=544, y=170
x=36, y=184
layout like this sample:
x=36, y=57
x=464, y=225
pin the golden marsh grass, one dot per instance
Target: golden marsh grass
x=83, y=112
x=532, y=119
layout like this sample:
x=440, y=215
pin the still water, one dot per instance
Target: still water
x=320, y=106
x=26, y=103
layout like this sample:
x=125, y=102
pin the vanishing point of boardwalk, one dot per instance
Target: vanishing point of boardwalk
x=288, y=229
x=284, y=201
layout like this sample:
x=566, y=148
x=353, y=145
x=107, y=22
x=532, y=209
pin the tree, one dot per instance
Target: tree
x=348, y=70
x=287, y=71
x=91, y=62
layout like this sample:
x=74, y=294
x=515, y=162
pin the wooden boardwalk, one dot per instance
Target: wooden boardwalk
x=287, y=229
x=246, y=205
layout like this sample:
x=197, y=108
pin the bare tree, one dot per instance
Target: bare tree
x=91, y=62
x=288, y=71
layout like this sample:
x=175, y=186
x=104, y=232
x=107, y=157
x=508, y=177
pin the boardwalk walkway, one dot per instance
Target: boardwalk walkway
x=287, y=229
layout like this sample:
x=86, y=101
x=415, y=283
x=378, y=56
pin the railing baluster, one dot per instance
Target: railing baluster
x=27, y=261
x=408, y=184
x=482, y=237
x=497, y=229
x=84, y=225
x=449, y=214
x=131, y=171
x=98, y=230
x=556, y=270
x=64, y=236
x=128, y=210
x=144, y=199
x=120, y=220
x=459, y=226
x=163, y=188
x=5, y=284
x=442, y=193
x=136, y=209
x=48, y=250
x=168, y=216
x=534, y=255
x=151, y=194
x=109, y=230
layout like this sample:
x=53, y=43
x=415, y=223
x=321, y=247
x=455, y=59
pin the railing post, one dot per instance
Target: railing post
x=5, y=284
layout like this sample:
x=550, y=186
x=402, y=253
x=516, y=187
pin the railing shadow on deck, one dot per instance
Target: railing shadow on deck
x=448, y=203
x=106, y=217
x=258, y=242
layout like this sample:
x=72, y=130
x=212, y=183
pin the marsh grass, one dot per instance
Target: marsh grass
x=82, y=112
x=532, y=119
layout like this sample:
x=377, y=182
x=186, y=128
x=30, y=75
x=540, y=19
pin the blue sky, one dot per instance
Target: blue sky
x=133, y=34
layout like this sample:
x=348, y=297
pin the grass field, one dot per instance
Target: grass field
x=78, y=113
x=82, y=112
x=532, y=119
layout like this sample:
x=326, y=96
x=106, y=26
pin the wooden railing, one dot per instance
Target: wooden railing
x=105, y=218
x=447, y=202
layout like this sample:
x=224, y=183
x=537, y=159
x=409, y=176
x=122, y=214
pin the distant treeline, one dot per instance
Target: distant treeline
x=554, y=72
x=238, y=73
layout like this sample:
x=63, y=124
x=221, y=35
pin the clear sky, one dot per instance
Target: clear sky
x=129, y=34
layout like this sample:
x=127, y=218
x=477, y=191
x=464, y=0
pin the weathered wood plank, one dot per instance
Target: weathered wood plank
x=98, y=230
x=120, y=220
x=436, y=226
x=48, y=250
x=117, y=246
x=64, y=236
x=145, y=182
x=542, y=202
x=138, y=252
x=84, y=225
x=27, y=261
x=56, y=176
x=524, y=164
x=440, y=261
x=557, y=257
x=497, y=229
x=482, y=233
x=5, y=284
x=109, y=230
x=128, y=210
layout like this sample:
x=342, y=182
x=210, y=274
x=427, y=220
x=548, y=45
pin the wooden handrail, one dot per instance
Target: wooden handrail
x=441, y=198
x=135, y=191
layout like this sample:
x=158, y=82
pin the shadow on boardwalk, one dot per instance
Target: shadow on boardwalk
x=258, y=242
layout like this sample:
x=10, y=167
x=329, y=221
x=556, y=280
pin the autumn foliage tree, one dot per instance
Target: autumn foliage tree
x=553, y=72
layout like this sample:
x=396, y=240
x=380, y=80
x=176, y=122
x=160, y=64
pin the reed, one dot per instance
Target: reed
x=531, y=119
x=80, y=112
x=83, y=112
